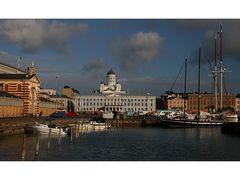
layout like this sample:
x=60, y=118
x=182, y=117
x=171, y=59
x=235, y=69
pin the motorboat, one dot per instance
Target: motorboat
x=39, y=128
x=231, y=117
x=99, y=126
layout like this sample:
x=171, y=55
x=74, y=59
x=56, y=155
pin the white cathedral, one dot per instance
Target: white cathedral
x=111, y=97
x=112, y=87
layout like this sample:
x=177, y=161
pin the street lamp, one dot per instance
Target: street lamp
x=57, y=76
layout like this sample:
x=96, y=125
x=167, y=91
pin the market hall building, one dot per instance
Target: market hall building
x=23, y=84
x=111, y=97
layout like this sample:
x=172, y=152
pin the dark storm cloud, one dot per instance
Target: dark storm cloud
x=95, y=65
x=95, y=70
x=140, y=48
x=230, y=36
x=34, y=35
x=196, y=24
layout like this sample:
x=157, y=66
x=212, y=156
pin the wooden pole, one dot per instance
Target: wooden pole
x=99, y=126
x=24, y=147
x=59, y=136
x=71, y=134
x=37, y=146
x=81, y=127
x=49, y=139
x=76, y=130
x=105, y=125
x=78, y=127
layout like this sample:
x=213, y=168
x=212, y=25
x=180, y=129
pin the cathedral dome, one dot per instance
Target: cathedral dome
x=110, y=72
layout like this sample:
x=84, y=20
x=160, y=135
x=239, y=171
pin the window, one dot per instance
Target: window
x=6, y=87
x=1, y=87
x=19, y=87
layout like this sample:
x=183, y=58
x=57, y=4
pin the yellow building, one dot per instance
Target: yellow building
x=10, y=105
x=237, y=105
x=176, y=103
x=70, y=92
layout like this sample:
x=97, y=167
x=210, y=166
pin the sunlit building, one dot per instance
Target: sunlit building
x=111, y=97
x=22, y=84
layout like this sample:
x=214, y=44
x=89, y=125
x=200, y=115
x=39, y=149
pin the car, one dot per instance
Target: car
x=72, y=114
x=58, y=114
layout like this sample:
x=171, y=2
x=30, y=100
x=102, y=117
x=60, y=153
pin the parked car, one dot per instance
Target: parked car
x=58, y=114
x=72, y=114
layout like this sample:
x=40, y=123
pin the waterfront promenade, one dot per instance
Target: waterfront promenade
x=11, y=126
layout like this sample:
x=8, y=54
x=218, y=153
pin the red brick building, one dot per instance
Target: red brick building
x=25, y=85
x=207, y=102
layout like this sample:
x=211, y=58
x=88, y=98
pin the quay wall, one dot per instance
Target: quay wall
x=17, y=125
x=11, y=107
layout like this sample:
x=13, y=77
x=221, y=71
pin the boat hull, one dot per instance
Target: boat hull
x=44, y=129
x=189, y=123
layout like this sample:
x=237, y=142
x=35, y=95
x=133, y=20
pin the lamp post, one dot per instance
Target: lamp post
x=57, y=76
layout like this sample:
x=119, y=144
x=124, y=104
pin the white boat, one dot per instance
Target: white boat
x=99, y=126
x=44, y=129
x=108, y=115
x=231, y=117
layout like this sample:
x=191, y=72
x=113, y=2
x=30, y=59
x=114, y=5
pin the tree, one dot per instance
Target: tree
x=70, y=106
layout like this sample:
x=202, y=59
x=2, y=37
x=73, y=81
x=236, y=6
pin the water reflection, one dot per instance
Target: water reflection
x=125, y=144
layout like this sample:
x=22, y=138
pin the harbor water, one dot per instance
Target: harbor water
x=125, y=144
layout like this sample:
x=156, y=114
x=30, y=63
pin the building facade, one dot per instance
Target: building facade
x=10, y=105
x=177, y=103
x=64, y=102
x=111, y=97
x=48, y=91
x=70, y=92
x=23, y=84
x=122, y=103
x=237, y=105
x=207, y=102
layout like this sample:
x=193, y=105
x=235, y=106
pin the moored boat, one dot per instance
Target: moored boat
x=183, y=123
x=45, y=129
x=99, y=126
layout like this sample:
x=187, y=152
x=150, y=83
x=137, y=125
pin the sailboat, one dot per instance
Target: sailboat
x=200, y=119
x=204, y=119
x=224, y=115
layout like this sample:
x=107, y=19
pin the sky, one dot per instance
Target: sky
x=145, y=54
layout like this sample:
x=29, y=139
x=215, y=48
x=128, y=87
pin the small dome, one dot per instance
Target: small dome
x=110, y=72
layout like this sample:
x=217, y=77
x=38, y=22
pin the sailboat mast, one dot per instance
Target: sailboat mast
x=199, y=74
x=215, y=75
x=185, y=89
x=221, y=70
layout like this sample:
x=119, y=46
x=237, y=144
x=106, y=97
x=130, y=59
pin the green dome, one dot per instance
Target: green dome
x=110, y=72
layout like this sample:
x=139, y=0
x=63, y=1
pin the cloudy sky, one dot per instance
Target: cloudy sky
x=146, y=55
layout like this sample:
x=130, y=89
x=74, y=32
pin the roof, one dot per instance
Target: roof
x=44, y=99
x=13, y=67
x=15, y=76
x=110, y=72
x=118, y=95
x=5, y=94
x=60, y=96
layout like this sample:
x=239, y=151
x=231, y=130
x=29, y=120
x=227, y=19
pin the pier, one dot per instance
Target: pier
x=18, y=125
